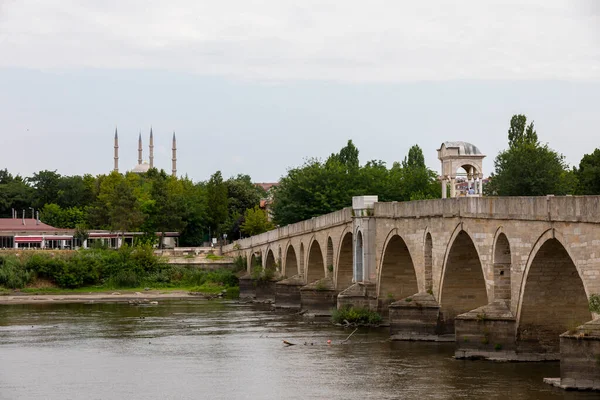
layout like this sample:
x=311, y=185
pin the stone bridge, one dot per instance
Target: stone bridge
x=504, y=276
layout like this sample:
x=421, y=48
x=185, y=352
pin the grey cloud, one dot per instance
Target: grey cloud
x=355, y=41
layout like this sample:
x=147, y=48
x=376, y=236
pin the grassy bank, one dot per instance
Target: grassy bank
x=98, y=270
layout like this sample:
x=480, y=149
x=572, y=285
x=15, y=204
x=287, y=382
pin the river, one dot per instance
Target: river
x=202, y=349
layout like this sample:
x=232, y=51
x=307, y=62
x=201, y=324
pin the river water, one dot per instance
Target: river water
x=201, y=349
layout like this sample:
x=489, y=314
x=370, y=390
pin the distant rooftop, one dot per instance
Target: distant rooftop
x=141, y=168
x=464, y=148
x=267, y=185
x=16, y=224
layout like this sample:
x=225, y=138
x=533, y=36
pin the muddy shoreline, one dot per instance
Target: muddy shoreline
x=108, y=297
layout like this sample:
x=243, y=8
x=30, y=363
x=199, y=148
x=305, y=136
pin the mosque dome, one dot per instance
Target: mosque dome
x=464, y=148
x=141, y=168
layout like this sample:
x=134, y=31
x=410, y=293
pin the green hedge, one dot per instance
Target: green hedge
x=127, y=267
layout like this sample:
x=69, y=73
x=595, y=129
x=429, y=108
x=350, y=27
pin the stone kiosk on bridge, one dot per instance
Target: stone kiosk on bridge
x=503, y=277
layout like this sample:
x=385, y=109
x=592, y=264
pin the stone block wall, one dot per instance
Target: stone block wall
x=580, y=357
x=287, y=294
x=485, y=338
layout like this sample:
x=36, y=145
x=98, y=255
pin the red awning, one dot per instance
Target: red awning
x=28, y=239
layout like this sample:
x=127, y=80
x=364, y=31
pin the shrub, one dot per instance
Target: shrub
x=233, y=293
x=239, y=264
x=124, y=279
x=13, y=274
x=595, y=303
x=355, y=316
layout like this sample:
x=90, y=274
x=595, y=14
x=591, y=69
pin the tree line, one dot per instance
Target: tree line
x=150, y=202
x=320, y=187
x=531, y=168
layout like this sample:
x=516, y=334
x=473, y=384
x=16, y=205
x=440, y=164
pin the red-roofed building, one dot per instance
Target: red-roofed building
x=265, y=203
x=20, y=233
x=31, y=233
x=267, y=186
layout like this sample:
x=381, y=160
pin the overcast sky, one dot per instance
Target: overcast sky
x=256, y=86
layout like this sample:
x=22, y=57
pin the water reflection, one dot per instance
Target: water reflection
x=219, y=350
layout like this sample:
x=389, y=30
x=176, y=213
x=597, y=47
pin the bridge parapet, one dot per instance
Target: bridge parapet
x=336, y=218
x=548, y=208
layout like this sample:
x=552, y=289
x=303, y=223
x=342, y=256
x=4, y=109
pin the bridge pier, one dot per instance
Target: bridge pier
x=247, y=287
x=259, y=290
x=417, y=318
x=579, y=358
x=488, y=332
x=287, y=292
x=359, y=295
x=265, y=290
x=319, y=297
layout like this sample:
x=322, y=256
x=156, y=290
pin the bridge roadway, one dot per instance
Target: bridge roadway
x=503, y=276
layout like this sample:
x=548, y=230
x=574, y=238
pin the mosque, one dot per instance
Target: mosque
x=143, y=166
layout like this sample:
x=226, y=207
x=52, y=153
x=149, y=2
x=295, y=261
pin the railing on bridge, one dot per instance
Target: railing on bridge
x=548, y=208
x=336, y=218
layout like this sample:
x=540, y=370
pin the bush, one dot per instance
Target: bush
x=124, y=279
x=240, y=264
x=127, y=267
x=233, y=292
x=13, y=274
x=355, y=316
x=595, y=303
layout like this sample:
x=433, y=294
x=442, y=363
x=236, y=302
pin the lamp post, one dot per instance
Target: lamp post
x=224, y=239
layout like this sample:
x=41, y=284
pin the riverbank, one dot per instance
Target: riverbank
x=139, y=297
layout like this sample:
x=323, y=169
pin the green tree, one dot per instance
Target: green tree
x=74, y=191
x=528, y=168
x=415, y=158
x=166, y=211
x=15, y=193
x=521, y=133
x=348, y=156
x=216, y=193
x=256, y=222
x=588, y=174
x=318, y=188
x=52, y=214
x=124, y=213
x=58, y=217
x=242, y=194
x=46, y=184
x=196, y=228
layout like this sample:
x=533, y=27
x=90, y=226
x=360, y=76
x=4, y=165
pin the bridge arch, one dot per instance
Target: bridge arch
x=462, y=287
x=428, y=260
x=329, y=264
x=255, y=260
x=315, y=268
x=290, y=267
x=270, y=262
x=301, y=264
x=279, y=259
x=343, y=268
x=359, y=257
x=502, y=265
x=552, y=298
x=397, y=276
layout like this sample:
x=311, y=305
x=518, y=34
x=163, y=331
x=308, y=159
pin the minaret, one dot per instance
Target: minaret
x=116, y=151
x=140, y=149
x=174, y=156
x=151, y=149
